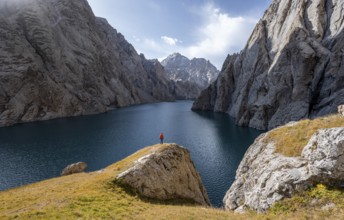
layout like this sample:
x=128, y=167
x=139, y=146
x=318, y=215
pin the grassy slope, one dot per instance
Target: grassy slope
x=290, y=140
x=95, y=196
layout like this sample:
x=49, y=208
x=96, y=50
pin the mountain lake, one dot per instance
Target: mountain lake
x=36, y=151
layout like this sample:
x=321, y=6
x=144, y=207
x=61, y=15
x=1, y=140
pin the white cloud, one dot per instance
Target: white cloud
x=170, y=41
x=219, y=35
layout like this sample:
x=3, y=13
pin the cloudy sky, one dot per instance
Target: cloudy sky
x=196, y=28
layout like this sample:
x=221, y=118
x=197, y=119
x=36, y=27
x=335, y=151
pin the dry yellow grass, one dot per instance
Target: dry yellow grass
x=290, y=140
x=95, y=196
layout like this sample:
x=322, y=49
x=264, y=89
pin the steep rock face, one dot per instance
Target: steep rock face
x=264, y=177
x=57, y=59
x=166, y=173
x=191, y=75
x=291, y=68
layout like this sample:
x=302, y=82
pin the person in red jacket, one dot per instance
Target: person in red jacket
x=161, y=138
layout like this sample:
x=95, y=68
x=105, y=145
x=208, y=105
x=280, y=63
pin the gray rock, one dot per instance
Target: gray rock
x=328, y=207
x=58, y=59
x=166, y=173
x=341, y=109
x=291, y=68
x=78, y=167
x=265, y=177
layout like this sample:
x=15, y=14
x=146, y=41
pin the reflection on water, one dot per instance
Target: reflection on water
x=40, y=150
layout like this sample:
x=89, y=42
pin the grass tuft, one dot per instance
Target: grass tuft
x=290, y=140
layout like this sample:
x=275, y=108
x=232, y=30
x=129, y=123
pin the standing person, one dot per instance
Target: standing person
x=161, y=138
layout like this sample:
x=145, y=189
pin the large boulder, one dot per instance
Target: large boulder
x=78, y=167
x=265, y=177
x=166, y=173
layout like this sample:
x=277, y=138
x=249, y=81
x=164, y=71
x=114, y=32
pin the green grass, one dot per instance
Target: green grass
x=310, y=203
x=290, y=140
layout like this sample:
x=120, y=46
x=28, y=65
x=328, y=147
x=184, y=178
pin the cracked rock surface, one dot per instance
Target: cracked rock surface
x=264, y=177
x=166, y=173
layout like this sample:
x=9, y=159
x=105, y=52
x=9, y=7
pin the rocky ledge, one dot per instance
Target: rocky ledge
x=265, y=176
x=166, y=173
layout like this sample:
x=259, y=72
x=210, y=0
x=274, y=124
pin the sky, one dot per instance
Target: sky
x=209, y=29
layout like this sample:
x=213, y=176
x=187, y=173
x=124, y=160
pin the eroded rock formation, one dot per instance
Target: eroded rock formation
x=291, y=68
x=166, y=173
x=264, y=176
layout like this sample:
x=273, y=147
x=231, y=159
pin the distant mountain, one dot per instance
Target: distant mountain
x=198, y=70
x=291, y=68
x=57, y=59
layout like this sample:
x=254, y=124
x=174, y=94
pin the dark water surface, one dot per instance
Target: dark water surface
x=40, y=150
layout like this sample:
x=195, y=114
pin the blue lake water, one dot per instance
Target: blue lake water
x=40, y=150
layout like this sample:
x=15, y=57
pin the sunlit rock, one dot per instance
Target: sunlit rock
x=166, y=173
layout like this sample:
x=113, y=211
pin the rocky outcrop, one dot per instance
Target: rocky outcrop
x=265, y=177
x=191, y=76
x=78, y=167
x=57, y=59
x=166, y=173
x=291, y=68
x=341, y=110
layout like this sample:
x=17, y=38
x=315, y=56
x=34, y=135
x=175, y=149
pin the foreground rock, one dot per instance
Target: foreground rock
x=74, y=168
x=166, y=173
x=265, y=177
x=291, y=68
x=58, y=59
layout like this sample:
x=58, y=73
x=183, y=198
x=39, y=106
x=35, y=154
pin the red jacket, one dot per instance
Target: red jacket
x=161, y=136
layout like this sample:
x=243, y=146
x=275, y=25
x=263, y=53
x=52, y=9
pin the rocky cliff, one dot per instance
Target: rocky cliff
x=266, y=176
x=291, y=68
x=166, y=173
x=57, y=59
x=192, y=76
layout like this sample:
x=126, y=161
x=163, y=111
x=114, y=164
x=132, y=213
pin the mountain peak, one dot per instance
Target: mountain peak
x=197, y=70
